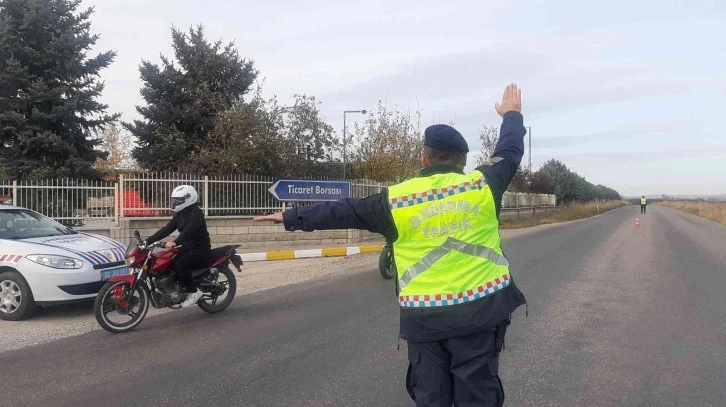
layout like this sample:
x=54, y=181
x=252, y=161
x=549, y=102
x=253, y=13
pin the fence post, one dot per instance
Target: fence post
x=380, y=187
x=122, y=201
x=206, y=195
x=16, y=198
x=116, y=203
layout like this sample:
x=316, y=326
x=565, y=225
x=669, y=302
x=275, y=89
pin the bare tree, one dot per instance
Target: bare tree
x=263, y=138
x=389, y=145
x=305, y=126
x=488, y=137
x=248, y=138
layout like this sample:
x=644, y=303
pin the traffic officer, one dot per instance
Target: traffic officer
x=643, y=204
x=456, y=293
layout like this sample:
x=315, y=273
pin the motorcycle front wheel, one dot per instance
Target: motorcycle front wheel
x=225, y=288
x=386, y=266
x=119, y=316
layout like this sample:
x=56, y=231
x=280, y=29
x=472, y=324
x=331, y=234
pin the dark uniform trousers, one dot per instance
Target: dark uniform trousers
x=462, y=371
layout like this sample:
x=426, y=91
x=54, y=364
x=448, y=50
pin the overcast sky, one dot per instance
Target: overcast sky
x=629, y=94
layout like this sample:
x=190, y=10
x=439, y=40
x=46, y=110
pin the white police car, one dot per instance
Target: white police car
x=43, y=262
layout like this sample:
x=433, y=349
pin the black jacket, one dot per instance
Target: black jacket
x=193, y=234
x=373, y=214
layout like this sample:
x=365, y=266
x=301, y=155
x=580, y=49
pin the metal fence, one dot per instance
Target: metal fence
x=147, y=195
x=66, y=200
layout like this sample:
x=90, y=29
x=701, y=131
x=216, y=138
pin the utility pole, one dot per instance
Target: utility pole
x=529, y=133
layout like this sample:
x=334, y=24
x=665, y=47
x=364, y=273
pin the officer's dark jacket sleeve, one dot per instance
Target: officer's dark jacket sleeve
x=503, y=164
x=163, y=232
x=371, y=213
x=196, y=225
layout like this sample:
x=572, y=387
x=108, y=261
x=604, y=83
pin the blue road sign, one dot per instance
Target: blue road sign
x=287, y=190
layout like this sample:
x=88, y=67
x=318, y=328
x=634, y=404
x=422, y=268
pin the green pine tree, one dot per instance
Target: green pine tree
x=184, y=99
x=49, y=89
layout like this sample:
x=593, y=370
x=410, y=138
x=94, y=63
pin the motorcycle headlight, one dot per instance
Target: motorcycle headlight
x=55, y=261
x=130, y=260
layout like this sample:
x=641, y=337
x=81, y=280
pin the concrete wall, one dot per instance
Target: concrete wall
x=243, y=232
x=251, y=235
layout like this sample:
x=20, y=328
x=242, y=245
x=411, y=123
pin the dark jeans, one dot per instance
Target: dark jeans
x=463, y=371
x=189, y=261
x=642, y=208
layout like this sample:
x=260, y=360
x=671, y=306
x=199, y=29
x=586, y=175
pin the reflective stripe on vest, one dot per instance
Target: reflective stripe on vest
x=441, y=300
x=435, y=193
x=643, y=201
x=441, y=251
x=448, y=250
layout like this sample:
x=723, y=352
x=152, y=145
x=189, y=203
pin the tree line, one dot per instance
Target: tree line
x=204, y=112
x=553, y=177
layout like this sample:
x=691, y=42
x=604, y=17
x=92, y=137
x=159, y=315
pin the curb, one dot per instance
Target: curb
x=309, y=254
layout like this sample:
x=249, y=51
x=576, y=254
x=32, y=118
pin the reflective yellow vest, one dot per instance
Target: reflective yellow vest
x=643, y=201
x=448, y=250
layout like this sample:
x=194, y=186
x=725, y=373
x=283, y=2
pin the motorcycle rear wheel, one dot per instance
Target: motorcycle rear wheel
x=107, y=305
x=210, y=302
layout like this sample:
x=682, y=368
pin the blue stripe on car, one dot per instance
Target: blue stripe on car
x=77, y=253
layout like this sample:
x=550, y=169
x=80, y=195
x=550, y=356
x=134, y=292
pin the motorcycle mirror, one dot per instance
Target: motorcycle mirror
x=137, y=235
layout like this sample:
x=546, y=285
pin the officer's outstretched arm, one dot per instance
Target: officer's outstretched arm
x=370, y=214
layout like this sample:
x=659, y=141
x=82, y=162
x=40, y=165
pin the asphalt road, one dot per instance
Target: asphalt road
x=618, y=316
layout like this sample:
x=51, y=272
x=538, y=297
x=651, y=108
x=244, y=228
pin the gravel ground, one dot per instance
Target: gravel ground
x=71, y=320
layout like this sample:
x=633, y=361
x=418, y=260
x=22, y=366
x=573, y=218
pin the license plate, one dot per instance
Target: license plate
x=106, y=274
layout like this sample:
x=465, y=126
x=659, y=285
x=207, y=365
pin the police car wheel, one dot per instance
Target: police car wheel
x=16, y=299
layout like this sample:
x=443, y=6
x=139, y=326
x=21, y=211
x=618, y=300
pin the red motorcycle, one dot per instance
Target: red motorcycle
x=124, y=300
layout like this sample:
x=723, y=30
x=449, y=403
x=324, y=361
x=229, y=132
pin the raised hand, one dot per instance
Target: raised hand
x=511, y=100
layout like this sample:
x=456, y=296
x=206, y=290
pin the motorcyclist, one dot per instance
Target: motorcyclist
x=195, y=251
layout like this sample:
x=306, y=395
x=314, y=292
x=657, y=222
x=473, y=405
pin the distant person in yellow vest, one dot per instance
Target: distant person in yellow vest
x=643, y=204
x=456, y=293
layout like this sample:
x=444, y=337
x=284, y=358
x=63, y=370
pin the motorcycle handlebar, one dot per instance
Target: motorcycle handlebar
x=144, y=246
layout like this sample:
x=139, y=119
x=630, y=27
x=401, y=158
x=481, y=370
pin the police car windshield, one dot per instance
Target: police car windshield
x=25, y=224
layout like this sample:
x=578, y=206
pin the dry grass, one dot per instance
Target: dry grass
x=715, y=211
x=564, y=213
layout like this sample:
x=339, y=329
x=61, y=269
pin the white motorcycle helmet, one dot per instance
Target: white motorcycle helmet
x=182, y=197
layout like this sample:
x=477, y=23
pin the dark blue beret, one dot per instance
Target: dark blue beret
x=445, y=138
